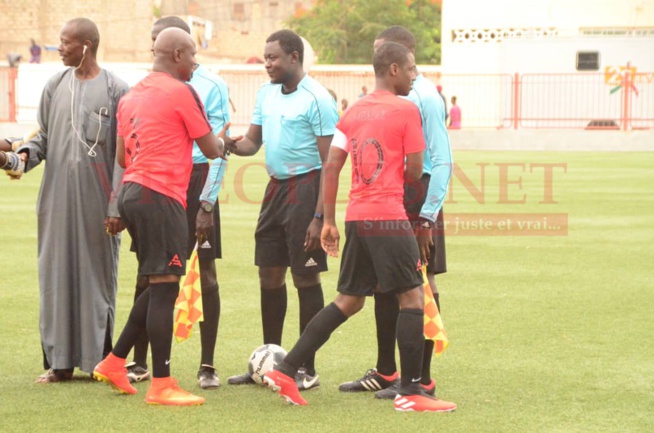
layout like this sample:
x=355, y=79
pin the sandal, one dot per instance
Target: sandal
x=52, y=376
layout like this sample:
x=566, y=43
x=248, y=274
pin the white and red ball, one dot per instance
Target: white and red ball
x=264, y=358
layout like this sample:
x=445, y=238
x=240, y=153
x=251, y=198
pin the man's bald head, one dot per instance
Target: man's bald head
x=83, y=29
x=174, y=53
x=172, y=38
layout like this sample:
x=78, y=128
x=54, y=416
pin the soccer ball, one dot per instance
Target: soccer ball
x=263, y=359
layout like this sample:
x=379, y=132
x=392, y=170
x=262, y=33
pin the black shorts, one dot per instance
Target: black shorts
x=157, y=225
x=286, y=212
x=211, y=248
x=383, y=253
x=415, y=194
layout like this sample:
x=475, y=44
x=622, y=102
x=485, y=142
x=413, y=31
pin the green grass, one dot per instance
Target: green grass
x=549, y=333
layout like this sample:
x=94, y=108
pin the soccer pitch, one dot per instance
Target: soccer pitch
x=549, y=330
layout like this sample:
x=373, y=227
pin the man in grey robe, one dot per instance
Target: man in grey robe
x=78, y=221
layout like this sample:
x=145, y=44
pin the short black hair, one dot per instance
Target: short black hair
x=86, y=30
x=387, y=54
x=400, y=35
x=173, y=21
x=289, y=41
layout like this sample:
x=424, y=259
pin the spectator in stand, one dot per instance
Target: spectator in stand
x=35, y=52
x=455, y=115
x=344, y=105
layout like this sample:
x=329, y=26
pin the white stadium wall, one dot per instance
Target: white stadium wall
x=474, y=31
x=511, y=38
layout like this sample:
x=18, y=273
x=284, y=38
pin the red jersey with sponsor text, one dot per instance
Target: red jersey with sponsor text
x=159, y=119
x=381, y=129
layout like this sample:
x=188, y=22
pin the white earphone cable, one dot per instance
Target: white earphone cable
x=71, y=86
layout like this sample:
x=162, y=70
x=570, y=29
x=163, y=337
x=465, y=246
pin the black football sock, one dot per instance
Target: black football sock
x=134, y=327
x=141, y=344
x=386, y=310
x=209, y=326
x=426, y=362
x=273, y=313
x=410, y=341
x=314, y=336
x=160, y=325
x=311, y=302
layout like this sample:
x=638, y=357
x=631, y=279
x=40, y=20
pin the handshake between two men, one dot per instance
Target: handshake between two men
x=12, y=163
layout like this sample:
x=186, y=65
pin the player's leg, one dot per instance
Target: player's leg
x=311, y=302
x=208, y=251
x=137, y=370
x=397, y=260
x=112, y=368
x=356, y=280
x=410, y=341
x=316, y=334
x=306, y=266
x=437, y=265
x=385, y=374
x=165, y=266
x=273, y=312
x=271, y=256
x=161, y=239
x=207, y=376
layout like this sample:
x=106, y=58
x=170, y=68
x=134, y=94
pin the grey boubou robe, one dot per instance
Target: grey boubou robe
x=77, y=260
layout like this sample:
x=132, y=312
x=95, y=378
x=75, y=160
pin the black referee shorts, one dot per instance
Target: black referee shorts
x=383, y=253
x=157, y=225
x=211, y=248
x=286, y=212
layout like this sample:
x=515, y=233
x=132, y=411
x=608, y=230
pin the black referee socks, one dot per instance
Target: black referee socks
x=311, y=302
x=387, y=308
x=160, y=325
x=273, y=313
x=410, y=341
x=313, y=338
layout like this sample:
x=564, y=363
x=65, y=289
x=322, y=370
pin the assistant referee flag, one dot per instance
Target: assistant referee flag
x=189, y=301
x=434, y=329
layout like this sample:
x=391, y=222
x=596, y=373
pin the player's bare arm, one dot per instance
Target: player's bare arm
x=330, y=237
x=120, y=151
x=204, y=222
x=250, y=144
x=413, y=169
x=424, y=237
x=5, y=145
x=216, y=146
x=312, y=239
x=113, y=225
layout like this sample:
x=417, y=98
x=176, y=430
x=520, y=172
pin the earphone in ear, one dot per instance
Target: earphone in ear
x=84, y=51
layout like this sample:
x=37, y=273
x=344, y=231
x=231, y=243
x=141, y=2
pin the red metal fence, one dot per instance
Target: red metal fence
x=620, y=99
x=500, y=101
x=8, y=94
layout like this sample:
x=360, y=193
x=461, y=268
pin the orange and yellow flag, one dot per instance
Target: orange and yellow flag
x=189, y=301
x=434, y=329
